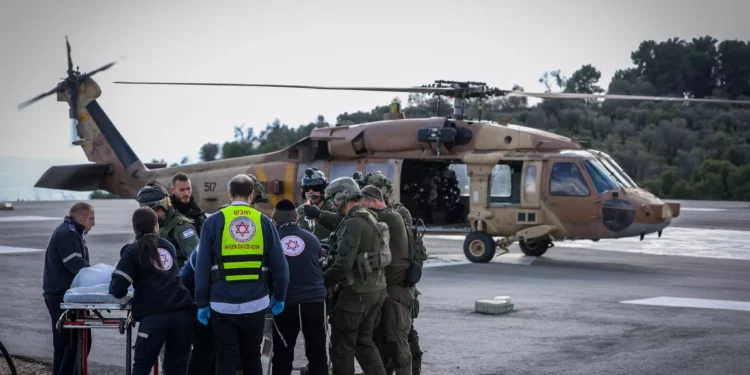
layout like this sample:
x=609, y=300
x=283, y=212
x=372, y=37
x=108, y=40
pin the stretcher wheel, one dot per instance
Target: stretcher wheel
x=122, y=326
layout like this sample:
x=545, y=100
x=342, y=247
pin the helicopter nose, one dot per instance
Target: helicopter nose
x=618, y=215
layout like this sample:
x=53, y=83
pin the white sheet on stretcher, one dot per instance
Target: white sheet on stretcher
x=91, y=285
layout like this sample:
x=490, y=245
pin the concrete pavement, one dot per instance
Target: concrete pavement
x=570, y=313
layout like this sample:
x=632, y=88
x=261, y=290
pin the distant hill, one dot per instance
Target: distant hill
x=18, y=176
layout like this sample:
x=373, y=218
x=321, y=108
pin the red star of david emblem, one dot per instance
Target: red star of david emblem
x=290, y=246
x=242, y=229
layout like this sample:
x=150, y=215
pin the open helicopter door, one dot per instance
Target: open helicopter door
x=391, y=168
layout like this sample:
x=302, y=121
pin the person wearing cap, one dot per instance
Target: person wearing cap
x=231, y=288
x=174, y=227
x=305, y=296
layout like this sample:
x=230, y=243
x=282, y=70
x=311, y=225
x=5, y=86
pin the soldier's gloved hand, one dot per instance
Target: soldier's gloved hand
x=204, y=314
x=276, y=306
x=311, y=211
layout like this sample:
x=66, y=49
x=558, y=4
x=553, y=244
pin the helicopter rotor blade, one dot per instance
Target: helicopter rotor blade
x=70, y=59
x=39, y=97
x=426, y=90
x=566, y=95
x=100, y=69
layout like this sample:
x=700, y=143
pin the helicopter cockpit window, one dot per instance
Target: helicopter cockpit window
x=619, y=174
x=386, y=168
x=602, y=180
x=567, y=180
x=342, y=170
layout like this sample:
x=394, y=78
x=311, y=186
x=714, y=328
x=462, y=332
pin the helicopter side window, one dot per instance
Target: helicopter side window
x=505, y=185
x=567, y=180
x=530, y=183
x=386, y=168
x=342, y=170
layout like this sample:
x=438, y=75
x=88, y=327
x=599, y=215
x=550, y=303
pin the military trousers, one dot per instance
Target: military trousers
x=353, y=320
x=392, y=334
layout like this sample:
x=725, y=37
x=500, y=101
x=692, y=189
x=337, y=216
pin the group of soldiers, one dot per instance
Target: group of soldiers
x=372, y=263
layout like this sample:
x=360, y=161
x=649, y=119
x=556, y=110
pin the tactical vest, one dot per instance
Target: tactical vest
x=381, y=255
x=242, y=249
x=168, y=230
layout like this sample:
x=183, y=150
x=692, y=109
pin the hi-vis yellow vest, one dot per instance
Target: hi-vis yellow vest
x=241, y=244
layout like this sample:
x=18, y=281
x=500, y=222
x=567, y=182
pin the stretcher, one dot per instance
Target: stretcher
x=80, y=317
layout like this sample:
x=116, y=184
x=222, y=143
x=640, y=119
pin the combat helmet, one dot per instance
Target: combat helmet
x=381, y=182
x=314, y=177
x=341, y=190
x=155, y=196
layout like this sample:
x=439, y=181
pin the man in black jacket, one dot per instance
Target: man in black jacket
x=67, y=253
x=305, y=296
x=183, y=201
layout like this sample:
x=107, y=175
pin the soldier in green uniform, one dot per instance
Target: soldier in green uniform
x=379, y=180
x=173, y=226
x=391, y=334
x=317, y=209
x=363, y=252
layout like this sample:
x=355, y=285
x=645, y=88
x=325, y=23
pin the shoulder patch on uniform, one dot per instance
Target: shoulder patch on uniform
x=165, y=262
x=188, y=233
x=72, y=227
x=292, y=245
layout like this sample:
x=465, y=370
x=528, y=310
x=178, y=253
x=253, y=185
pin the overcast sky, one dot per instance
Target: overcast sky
x=382, y=42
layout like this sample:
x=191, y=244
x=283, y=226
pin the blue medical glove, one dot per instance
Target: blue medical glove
x=204, y=314
x=276, y=306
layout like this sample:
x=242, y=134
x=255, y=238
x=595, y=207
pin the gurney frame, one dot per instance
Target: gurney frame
x=84, y=316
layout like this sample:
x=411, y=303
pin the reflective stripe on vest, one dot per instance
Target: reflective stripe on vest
x=241, y=243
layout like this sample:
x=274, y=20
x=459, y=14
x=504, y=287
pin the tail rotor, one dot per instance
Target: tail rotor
x=70, y=84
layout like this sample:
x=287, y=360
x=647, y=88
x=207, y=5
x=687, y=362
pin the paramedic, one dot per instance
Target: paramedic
x=237, y=244
x=305, y=296
x=161, y=304
x=67, y=253
x=203, y=355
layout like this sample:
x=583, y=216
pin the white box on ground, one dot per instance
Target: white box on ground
x=497, y=306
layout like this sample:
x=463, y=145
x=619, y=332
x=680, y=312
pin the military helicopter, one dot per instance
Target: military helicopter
x=518, y=183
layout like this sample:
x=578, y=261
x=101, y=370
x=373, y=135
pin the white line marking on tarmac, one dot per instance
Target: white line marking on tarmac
x=459, y=259
x=17, y=250
x=4, y=219
x=675, y=241
x=702, y=209
x=693, y=302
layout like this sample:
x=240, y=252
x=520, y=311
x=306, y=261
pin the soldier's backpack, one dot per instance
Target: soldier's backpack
x=379, y=259
x=417, y=250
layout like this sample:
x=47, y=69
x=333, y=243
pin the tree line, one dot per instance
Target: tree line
x=698, y=151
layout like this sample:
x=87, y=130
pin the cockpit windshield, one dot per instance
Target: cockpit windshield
x=617, y=172
x=600, y=176
x=614, y=170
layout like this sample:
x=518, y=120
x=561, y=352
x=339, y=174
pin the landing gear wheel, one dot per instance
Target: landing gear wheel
x=479, y=247
x=534, y=248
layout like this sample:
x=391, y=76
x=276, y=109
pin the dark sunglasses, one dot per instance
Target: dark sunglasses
x=314, y=188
